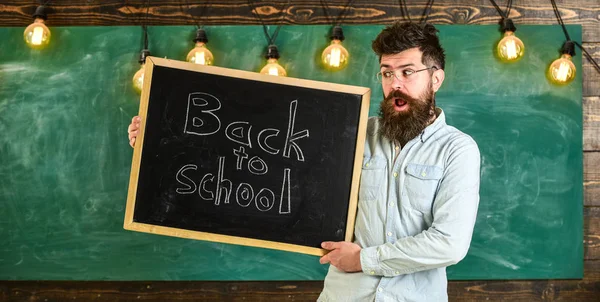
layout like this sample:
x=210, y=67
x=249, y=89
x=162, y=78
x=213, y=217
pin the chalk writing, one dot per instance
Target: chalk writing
x=201, y=124
x=244, y=194
x=202, y=119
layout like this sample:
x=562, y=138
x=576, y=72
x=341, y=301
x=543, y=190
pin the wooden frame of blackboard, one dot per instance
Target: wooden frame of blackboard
x=151, y=62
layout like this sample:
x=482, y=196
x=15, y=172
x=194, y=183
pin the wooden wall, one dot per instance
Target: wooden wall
x=176, y=12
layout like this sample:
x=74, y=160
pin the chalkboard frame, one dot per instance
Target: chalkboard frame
x=151, y=63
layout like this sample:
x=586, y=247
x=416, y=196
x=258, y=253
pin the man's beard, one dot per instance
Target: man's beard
x=401, y=127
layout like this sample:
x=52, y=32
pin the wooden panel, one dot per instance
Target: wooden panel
x=591, y=128
x=591, y=177
x=80, y=12
x=95, y=12
x=591, y=75
x=591, y=237
x=586, y=289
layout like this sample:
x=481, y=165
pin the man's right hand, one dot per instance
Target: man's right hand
x=134, y=129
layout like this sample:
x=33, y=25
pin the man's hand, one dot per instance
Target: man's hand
x=133, y=130
x=343, y=255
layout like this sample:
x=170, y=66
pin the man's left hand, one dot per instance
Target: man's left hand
x=343, y=255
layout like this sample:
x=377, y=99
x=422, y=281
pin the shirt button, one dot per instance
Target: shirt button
x=423, y=174
x=367, y=164
x=389, y=234
x=380, y=289
x=372, y=272
x=397, y=272
x=391, y=204
x=397, y=148
x=395, y=174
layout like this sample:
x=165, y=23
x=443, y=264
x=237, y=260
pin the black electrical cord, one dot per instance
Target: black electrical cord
x=146, y=25
x=404, y=9
x=202, y=12
x=270, y=38
x=424, y=16
x=508, y=7
x=145, y=52
x=506, y=23
x=139, y=21
x=560, y=21
x=564, y=28
x=588, y=56
x=500, y=12
x=340, y=16
x=426, y=12
x=40, y=11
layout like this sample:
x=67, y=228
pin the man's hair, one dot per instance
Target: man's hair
x=401, y=36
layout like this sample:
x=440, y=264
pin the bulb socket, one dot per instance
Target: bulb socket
x=143, y=54
x=201, y=36
x=272, y=52
x=40, y=12
x=337, y=33
x=568, y=48
x=507, y=25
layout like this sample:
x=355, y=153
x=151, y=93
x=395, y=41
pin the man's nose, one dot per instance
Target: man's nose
x=396, y=82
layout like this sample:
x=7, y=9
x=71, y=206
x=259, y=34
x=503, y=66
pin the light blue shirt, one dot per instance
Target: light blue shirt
x=416, y=212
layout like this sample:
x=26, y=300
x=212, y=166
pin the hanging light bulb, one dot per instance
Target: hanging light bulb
x=37, y=34
x=335, y=56
x=562, y=71
x=138, y=77
x=200, y=54
x=510, y=48
x=273, y=67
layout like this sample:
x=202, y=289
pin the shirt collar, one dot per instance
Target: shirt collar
x=439, y=122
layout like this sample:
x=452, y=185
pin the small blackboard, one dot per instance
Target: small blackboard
x=238, y=157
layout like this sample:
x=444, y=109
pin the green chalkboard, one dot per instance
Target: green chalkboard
x=65, y=159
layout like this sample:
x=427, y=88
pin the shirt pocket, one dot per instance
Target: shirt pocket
x=421, y=184
x=372, y=178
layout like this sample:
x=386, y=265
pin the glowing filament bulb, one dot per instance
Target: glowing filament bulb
x=335, y=56
x=200, y=58
x=37, y=34
x=138, y=79
x=200, y=55
x=510, y=48
x=273, y=68
x=562, y=71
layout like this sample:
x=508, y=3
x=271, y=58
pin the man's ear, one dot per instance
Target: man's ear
x=437, y=79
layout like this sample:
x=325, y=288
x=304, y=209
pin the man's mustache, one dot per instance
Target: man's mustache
x=399, y=94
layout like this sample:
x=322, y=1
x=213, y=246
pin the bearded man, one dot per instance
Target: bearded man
x=419, y=186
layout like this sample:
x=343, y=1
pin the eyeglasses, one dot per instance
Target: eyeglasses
x=405, y=75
